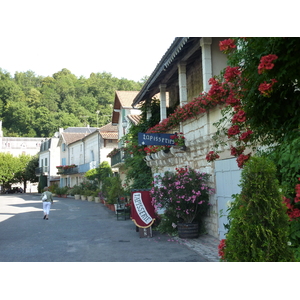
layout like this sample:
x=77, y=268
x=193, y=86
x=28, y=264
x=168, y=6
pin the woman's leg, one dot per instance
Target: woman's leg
x=45, y=209
x=48, y=209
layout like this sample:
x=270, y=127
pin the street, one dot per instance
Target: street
x=78, y=231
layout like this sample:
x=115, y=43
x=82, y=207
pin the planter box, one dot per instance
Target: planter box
x=97, y=199
x=90, y=198
x=77, y=197
x=83, y=198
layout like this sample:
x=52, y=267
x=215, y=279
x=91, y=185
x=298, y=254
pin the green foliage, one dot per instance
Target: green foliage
x=75, y=190
x=8, y=166
x=33, y=105
x=286, y=158
x=258, y=220
x=112, y=189
x=134, y=158
x=275, y=117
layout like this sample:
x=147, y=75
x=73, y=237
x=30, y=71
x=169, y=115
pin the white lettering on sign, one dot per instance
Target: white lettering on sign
x=140, y=208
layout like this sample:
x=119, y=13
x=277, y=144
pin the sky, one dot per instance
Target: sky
x=124, y=38
x=82, y=36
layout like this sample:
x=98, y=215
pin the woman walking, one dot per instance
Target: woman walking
x=47, y=199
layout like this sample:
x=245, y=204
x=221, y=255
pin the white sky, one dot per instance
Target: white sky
x=82, y=36
x=124, y=38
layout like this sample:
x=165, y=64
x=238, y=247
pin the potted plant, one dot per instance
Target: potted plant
x=184, y=195
x=96, y=195
x=61, y=191
x=75, y=191
x=90, y=195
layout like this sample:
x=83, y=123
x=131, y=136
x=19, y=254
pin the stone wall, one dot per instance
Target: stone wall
x=198, y=133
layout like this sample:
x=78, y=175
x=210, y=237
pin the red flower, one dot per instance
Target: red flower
x=245, y=136
x=236, y=151
x=233, y=130
x=266, y=88
x=242, y=159
x=231, y=73
x=266, y=63
x=211, y=156
x=221, y=248
x=227, y=45
x=240, y=117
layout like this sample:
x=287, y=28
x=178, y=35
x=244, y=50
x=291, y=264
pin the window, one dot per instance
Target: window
x=63, y=146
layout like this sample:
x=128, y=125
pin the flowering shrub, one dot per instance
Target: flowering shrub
x=266, y=63
x=266, y=88
x=151, y=149
x=66, y=167
x=227, y=45
x=185, y=194
x=221, y=248
x=211, y=156
x=178, y=138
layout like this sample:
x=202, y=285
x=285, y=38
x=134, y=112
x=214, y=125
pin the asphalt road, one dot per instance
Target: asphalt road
x=78, y=231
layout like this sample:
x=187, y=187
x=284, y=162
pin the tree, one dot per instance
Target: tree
x=258, y=221
x=26, y=169
x=8, y=167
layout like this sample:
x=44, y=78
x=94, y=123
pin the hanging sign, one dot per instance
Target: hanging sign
x=155, y=139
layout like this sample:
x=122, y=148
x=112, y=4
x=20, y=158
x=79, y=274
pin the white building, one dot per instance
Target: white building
x=21, y=145
x=83, y=151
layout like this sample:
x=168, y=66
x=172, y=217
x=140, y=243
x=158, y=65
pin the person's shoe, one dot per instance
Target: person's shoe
x=44, y=217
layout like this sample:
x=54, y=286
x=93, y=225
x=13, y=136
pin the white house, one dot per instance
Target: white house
x=48, y=160
x=21, y=145
x=124, y=116
x=83, y=151
x=184, y=72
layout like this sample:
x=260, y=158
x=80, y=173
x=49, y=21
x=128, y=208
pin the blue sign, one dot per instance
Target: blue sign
x=157, y=139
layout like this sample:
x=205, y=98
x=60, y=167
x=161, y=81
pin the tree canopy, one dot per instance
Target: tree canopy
x=36, y=106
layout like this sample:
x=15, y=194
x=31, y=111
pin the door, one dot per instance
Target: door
x=228, y=176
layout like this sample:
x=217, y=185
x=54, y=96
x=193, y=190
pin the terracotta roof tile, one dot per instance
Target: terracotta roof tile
x=108, y=127
x=126, y=97
x=109, y=135
x=71, y=137
x=135, y=119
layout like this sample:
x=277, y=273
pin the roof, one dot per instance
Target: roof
x=71, y=137
x=179, y=45
x=123, y=99
x=109, y=135
x=135, y=119
x=80, y=129
x=109, y=132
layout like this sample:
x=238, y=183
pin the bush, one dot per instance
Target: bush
x=258, y=223
x=183, y=194
x=75, y=190
x=112, y=189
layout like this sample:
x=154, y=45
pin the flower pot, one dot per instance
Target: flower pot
x=188, y=230
x=83, y=198
x=77, y=197
x=90, y=198
x=97, y=199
